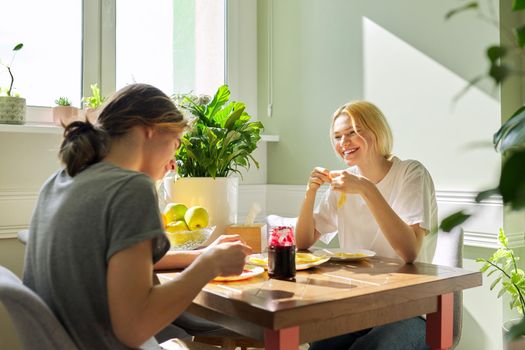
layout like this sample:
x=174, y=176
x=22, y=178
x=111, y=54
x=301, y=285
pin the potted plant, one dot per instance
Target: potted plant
x=92, y=103
x=220, y=143
x=509, y=140
x=12, y=106
x=64, y=113
x=511, y=279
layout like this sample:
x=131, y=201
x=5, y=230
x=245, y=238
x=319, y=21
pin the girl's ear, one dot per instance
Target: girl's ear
x=149, y=132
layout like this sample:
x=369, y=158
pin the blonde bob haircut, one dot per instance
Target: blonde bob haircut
x=368, y=117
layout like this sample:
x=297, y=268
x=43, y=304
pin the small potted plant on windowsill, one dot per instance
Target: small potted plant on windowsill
x=64, y=113
x=12, y=106
x=92, y=103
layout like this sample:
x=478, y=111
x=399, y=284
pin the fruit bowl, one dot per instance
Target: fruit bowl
x=189, y=240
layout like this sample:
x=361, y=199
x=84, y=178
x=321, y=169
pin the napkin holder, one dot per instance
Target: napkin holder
x=253, y=234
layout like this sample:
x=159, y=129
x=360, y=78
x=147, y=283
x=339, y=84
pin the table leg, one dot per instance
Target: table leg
x=439, y=323
x=281, y=339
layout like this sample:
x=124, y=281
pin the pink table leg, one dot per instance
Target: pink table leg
x=439, y=324
x=281, y=339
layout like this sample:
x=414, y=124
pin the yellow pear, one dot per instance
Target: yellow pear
x=196, y=217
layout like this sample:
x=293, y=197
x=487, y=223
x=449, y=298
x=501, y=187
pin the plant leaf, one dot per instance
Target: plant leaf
x=503, y=239
x=520, y=33
x=219, y=99
x=518, y=5
x=512, y=180
x=496, y=52
x=18, y=47
x=517, y=120
x=453, y=220
x=498, y=72
x=495, y=282
x=470, y=5
x=486, y=194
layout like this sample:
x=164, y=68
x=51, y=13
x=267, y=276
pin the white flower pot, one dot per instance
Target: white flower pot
x=12, y=110
x=219, y=196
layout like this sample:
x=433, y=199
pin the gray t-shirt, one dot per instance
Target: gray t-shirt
x=79, y=223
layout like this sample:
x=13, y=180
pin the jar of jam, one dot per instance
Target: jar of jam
x=281, y=253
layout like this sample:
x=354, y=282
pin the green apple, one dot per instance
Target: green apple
x=175, y=212
x=196, y=217
x=177, y=226
x=178, y=233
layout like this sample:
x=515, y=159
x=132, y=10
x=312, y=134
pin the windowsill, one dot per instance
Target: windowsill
x=48, y=128
x=32, y=128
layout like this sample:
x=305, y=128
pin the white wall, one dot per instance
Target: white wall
x=27, y=159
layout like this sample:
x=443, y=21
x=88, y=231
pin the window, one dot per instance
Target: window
x=50, y=63
x=178, y=46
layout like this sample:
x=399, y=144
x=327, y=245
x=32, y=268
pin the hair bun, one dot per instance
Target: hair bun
x=77, y=128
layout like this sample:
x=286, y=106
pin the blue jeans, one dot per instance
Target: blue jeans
x=408, y=334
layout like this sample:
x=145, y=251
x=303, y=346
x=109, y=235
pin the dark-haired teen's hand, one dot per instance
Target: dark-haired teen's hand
x=226, y=255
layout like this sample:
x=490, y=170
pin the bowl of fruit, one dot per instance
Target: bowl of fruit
x=186, y=228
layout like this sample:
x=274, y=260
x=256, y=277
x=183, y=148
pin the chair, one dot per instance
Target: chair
x=38, y=328
x=23, y=236
x=449, y=252
x=36, y=325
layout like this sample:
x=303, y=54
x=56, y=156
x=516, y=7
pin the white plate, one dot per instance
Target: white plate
x=340, y=254
x=249, y=272
x=262, y=260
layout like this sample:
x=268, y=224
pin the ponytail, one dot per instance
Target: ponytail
x=84, y=144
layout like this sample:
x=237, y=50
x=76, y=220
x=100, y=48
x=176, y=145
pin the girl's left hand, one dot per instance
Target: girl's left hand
x=343, y=181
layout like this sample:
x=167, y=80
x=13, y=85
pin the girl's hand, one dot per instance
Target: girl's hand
x=225, y=239
x=318, y=176
x=343, y=181
x=227, y=255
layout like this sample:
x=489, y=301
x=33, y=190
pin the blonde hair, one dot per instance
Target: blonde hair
x=370, y=118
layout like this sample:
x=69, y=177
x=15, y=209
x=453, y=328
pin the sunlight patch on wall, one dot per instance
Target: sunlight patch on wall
x=416, y=93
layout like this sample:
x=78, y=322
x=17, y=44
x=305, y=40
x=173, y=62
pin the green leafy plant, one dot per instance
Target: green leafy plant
x=222, y=139
x=511, y=278
x=63, y=101
x=9, y=91
x=95, y=100
x=509, y=140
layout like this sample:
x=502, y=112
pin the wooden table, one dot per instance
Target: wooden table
x=336, y=298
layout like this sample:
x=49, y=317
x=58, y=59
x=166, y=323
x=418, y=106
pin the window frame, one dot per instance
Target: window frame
x=99, y=52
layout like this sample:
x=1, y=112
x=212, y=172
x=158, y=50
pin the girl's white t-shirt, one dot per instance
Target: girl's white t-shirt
x=408, y=189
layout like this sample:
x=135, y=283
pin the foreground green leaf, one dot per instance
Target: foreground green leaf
x=495, y=52
x=512, y=180
x=498, y=72
x=516, y=121
x=518, y=5
x=486, y=194
x=451, y=221
x=520, y=33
